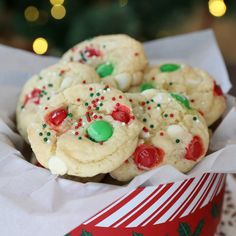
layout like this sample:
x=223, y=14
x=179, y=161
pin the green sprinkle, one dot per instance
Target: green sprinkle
x=22, y=107
x=177, y=140
x=48, y=98
x=105, y=70
x=41, y=95
x=91, y=95
x=147, y=102
x=70, y=115
x=45, y=139
x=79, y=138
x=151, y=126
x=194, y=118
x=182, y=99
x=101, y=104
x=83, y=57
x=169, y=67
x=158, y=105
x=152, y=100
x=97, y=108
x=98, y=94
x=40, y=77
x=48, y=133
x=44, y=126
x=40, y=134
x=170, y=83
x=145, y=86
x=86, y=104
x=144, y=120
x=165, y=115
x=50, y=85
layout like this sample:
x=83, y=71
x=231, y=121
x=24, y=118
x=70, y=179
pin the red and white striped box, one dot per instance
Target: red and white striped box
x=191, y=207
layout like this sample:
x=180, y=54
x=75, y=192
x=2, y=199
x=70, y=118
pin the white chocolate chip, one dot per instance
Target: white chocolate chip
x=175, y=131
x=124, y=81
x=66, y=82
x=162, y=98
x=57, y=166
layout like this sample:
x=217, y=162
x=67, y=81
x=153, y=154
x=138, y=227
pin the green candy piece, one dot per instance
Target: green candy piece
x=182, y=99
x=169, y=67
x=146, y=86
x=105, y=69
x=100, y=131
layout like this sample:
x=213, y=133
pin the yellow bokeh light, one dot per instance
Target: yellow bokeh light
x=56, y=2
x=31, y=13
x=40, y=46
x=123, y=3
x=217, y=7
x=58, y=12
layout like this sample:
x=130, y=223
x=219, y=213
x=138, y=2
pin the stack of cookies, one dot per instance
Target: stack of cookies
x=103, y=110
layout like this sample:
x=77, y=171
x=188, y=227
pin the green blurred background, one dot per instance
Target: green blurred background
x=144, y=20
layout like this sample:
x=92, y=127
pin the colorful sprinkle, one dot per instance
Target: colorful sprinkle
x=177, y=140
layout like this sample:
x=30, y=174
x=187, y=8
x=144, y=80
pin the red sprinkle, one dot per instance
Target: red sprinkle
x=78, y=99
x=136, y=54
x=45, y=108
x=195, y=149
x=93, y=52
x=162, y=133
x=122, y=114
x=76, y=133
x=120, y=97
x=90, y=89
x=117, y=104
x=145, y=129
x=153, y=78
x=171, y=115
x=89, y=107
x=56, y=117
x=143, y=103
x=192, y=100
x=95, y=117
x=102, y=97
x=113, y=99
x=84, y=81
x=131, y=100
x=148, y=156
x=149, y=108
x=217, y=90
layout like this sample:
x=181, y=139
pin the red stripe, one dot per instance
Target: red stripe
x=141, y=210
x=204, y=195
x=193, y=195
x=116, y=207
x=217, y=187
x=173, y=200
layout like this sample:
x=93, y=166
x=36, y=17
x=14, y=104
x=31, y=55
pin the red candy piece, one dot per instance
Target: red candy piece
x=195, y=149
x=33, y=96
x=147, y=156
x=56, y=117
x=92, y=52
x=122, y=114
x=217, y=90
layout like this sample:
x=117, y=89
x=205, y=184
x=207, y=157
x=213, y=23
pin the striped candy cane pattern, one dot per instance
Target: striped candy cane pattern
x=151, y=206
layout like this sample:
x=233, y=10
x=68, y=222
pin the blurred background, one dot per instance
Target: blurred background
x=52, y=26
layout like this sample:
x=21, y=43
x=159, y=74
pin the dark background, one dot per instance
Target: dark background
x=145, y=20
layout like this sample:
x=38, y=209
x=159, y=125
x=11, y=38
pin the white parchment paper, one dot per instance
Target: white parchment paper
x=35, y=202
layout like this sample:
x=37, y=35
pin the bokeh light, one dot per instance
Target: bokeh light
x=123, y=3
x=31, y=13
x=217, y=7
x=58, y=12
x=40, y=46
x=56, y=2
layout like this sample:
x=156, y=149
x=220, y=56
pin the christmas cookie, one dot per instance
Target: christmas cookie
x=198, y=86
x=118, y=59
x=40, y=88
x=173, y=133
x=84, y=131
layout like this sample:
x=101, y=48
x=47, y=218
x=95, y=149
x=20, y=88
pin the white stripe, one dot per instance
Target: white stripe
x=142, y=205
x=204, y=193
x=111, y=219
x=166, y=203
x=155, y=206
x=217, y=187
x=179, y=202
x=202, y=190
x=108, y=208
x=201, y=178
x=222, y=184
x=211, y=192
